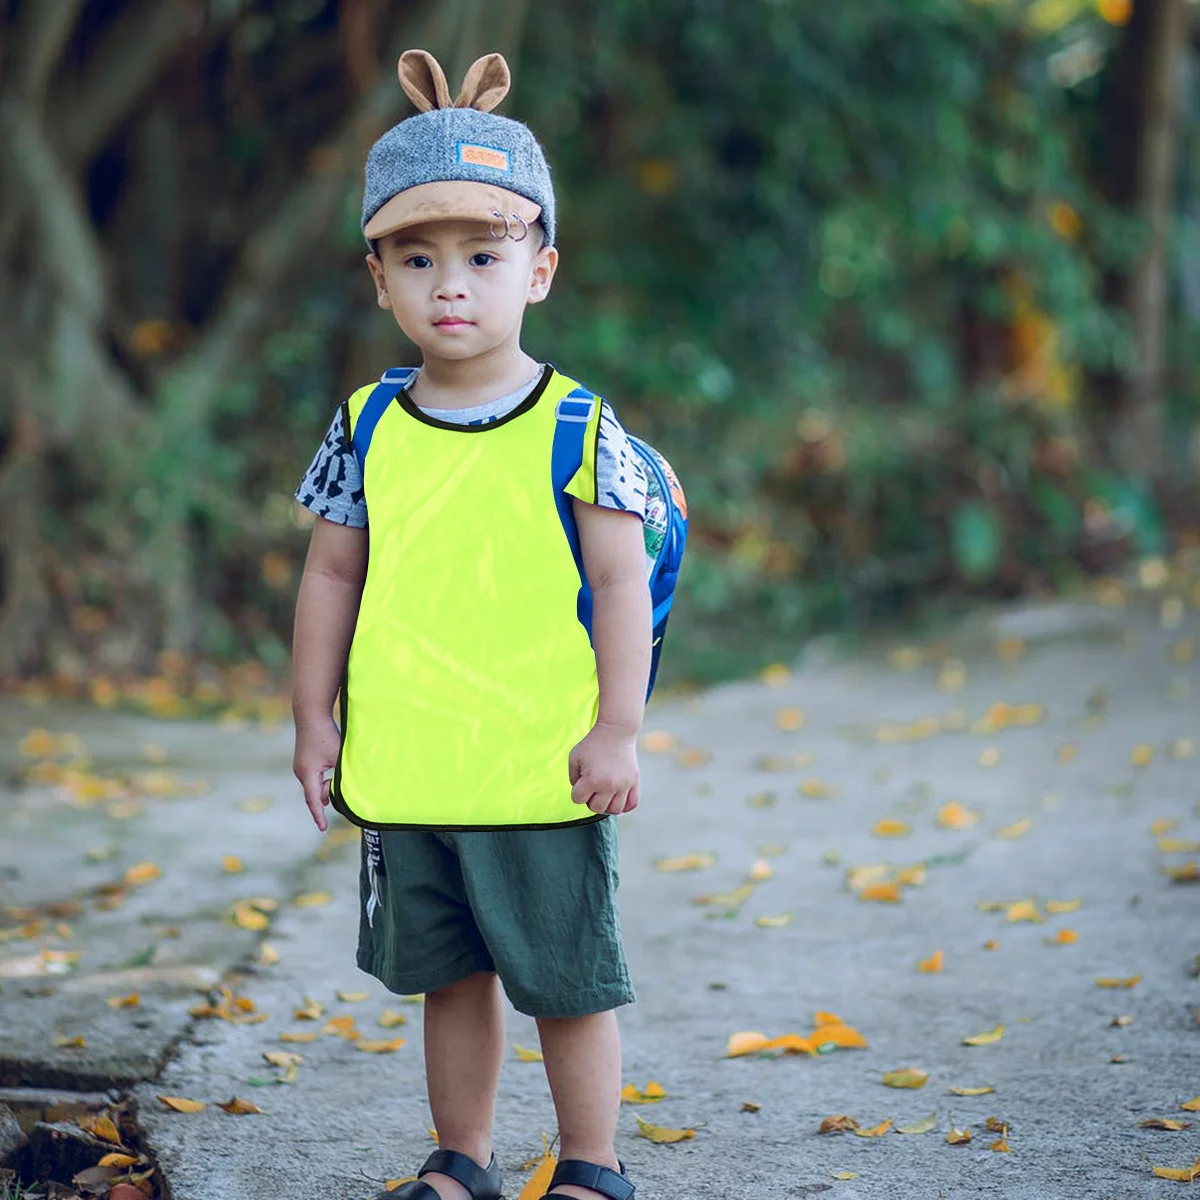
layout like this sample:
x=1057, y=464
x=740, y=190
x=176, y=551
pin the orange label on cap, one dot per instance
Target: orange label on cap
x=483, y=156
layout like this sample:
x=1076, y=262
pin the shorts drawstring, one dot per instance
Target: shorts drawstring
x=373, y=845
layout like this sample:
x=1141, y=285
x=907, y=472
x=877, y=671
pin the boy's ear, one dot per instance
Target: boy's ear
x=542, y=275
x=485, y=84
x=375, y=266
x=423, y=80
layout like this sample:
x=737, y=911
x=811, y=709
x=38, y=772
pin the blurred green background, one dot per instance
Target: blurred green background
x=908, y=293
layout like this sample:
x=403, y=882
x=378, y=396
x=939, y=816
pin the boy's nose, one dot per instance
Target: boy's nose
x=451, y=287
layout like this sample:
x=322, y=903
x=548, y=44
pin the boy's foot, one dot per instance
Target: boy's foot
x=460, y=1178
x=575, y=1179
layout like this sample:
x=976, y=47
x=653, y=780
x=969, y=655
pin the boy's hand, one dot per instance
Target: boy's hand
x=316, y=754
x=604, y=771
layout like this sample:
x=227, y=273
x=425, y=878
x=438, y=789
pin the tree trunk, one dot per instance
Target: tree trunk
x=1145, y=114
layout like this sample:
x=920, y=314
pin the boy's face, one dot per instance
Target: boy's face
x=456, y=291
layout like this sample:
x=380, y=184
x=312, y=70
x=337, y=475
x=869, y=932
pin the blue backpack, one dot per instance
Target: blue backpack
x=665, y=526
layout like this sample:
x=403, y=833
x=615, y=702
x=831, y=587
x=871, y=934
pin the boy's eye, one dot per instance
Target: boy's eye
x=420, y=261
x=482, y=259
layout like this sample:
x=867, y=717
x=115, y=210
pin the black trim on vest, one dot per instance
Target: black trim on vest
x=405, y=400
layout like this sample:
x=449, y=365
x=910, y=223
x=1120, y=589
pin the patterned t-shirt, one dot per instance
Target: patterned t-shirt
x=332, y=486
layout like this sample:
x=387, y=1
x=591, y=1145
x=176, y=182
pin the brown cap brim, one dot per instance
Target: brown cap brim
x=452, y=200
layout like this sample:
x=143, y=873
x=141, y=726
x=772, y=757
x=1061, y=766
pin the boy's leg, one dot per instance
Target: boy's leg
x=464, y=1046
x=583, y=1066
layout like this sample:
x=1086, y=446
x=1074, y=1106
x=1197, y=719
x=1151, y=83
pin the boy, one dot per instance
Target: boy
x=484, y=740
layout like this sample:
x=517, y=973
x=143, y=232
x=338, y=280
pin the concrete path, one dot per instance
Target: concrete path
x=1094, y=751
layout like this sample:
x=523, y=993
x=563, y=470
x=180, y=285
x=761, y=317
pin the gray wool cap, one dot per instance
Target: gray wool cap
x=456, y=162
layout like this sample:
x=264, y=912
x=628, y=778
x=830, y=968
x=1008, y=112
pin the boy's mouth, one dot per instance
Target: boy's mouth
x=451, y=322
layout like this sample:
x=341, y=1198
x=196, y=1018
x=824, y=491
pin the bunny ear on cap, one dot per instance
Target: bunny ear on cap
x=423, y=80
x=485, y=84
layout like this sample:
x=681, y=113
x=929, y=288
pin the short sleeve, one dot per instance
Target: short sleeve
x=332, y=486
x=620, y=477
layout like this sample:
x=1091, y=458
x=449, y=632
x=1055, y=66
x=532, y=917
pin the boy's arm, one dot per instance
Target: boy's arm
x=326, y=611
x=604, y=771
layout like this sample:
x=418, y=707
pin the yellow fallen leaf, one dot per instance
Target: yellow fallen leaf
x=881, y=893
x=248, y=916
x=751, y=1107
x=685, y=862
x=1141, y=755
x=986, y=1038
x=231, y=864
x=1016, y=829
x=826, y=1018
x=525, y=1054
x=842, y=1036
x=925, y=1125
x=746, y=1042
x=1131, y=981
x=313, y=1010
x=761, y=870
x=774, y=922
x=268, y=956
x=1063, y=906
x=352, y=997
x=692, y=756
x=538, y=1183
x=988, y=906
x=379, y=1047
x=1191, y=1105
x=282, y=1058
x=1000, y=1145
x=390, y=1018
x=179, y=1104
x=991, y=944
x=238, y=1107
x=63, y=1042
x=120, y=1161
x=130, y=1001
x=776, y=675
x=101, y=1127
x=1188, y=873
x=790, y=719
x=970, y=1091
x=297, y=1037
x=1064, y=937
x=1121, y=1022
x=791, y=1043
x=733, y=899
x=630, y=1094
x=933, y=964
x=958, y=1137
x=1067, y=753
x=1023, y=910
x=658, y=741
x=255, y=804
x=1178, y=846
x=1163, y=825
x=906, y=1077
x=661, y=1135
x=341, y=1027
x=312, y=899
x=878, y=1130
x=143, y=872
x=913, y=876
x=1180, y=1174
x=1168, y=1123
x=1181, y=747
x=838, y=1123
x=891, y=827
x=956, y=816
x=989, y=757
x=817, y=789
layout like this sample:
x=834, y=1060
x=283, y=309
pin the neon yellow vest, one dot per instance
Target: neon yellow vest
x=470, y=677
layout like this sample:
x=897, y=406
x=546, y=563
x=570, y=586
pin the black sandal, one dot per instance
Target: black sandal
x=604, y=1180
x=483, y=1185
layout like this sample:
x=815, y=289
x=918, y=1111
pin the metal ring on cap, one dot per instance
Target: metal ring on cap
x=524, y=227
x=498, y=237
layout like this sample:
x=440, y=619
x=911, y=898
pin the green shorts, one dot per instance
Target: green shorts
x=537, y=906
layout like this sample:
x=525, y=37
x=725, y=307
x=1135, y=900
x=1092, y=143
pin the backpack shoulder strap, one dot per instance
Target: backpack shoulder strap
x=386, y=390
x=572, y=416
